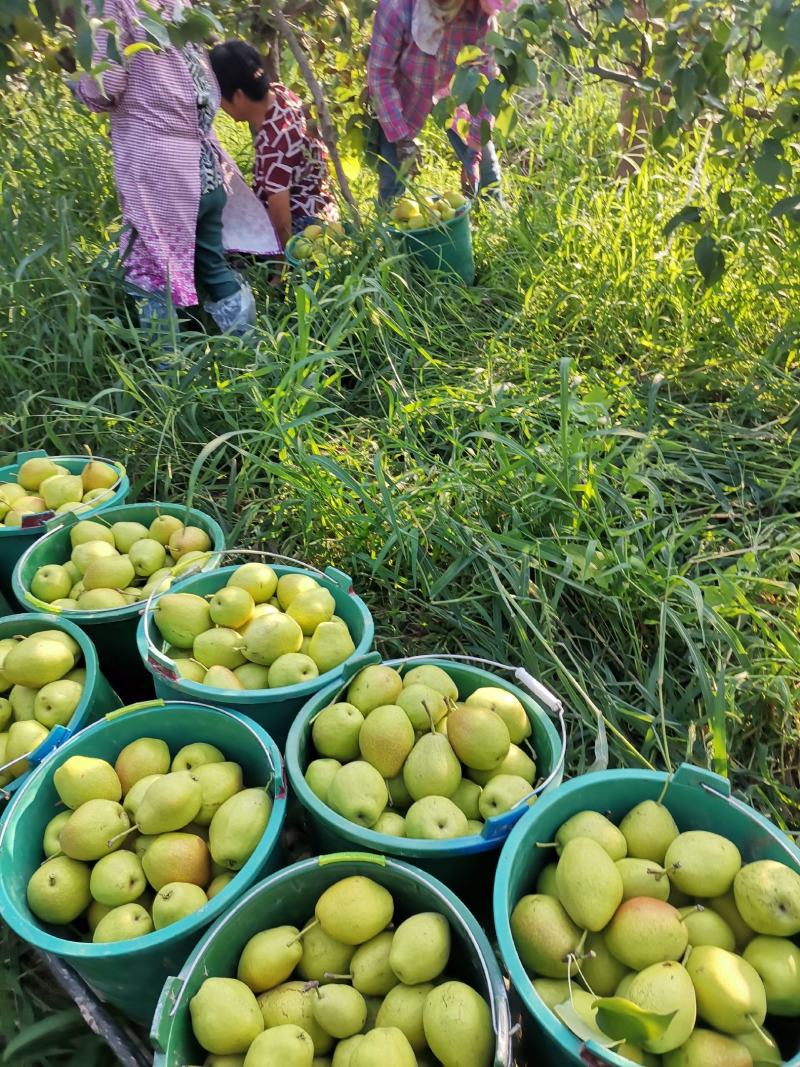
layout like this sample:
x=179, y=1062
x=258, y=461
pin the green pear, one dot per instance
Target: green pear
x=767, y=895
x=51, y=582
x=50, y=841
x=58, y=890
x=644, y=931
x=358, y=793
x=311, y=608
x=216, y=885
x=99, y=475
x=253, y=676
x=546, y=882
x=163, y=527
x=624, y=987
x=219, y=647
x=544, y=935
x=292, y=585
x=596, y=826
x=432, y=768
x=704, y=1048
x=195, y=755
x=158, y=582
x=23, y=703
x=552, y=991
x=181, y=617
x=226, y=1018
x=217, y=677
x=434, y=677
x=61, y=489
x=390, y=823
x=340, y=1010
x=101, y=600
x=386, y=738
x=116, y=572
x=479, y=737
x=725, y=906
x=371, y=971
x=170, y=803
x=94, y=913
x=730, y=994
x=176, y=857
x=11, y=491
x=231, y=607
x=643, y=878
x=126, y=534
x=188, y=561
x=218, y=782
x=319, y=775
x=141, y=842
x=87, y=530
x=94, y=829
x=424, y=706
x=601, y=971
x=34, y=663
x=23, y=737
x=458, y=1026
x=33, y=471
x=354, y=910
x=259, y=611
x=374, y=686
x=281, y=1046
x=66, y=604
x=323, y=955
x=258, y=579
x=88, y=552
x=399, y=796
x=269, y=958
x=335, y=731
x=56, y=702
x=269, y=637
x=762, y=1046
x=384, y=1045
x=292, y=1003
x=703, y=864
x=516, y=763
x=420, y=948
x=467, y=797
x=777, y=961
x=435, y=819
x=664, y=988
x=237, y=827
x=403, y=1008
x=330, y=645
x=190, y=670
x=61, y=637
x=705, y=927
x=507, y=706
x=146, y=557
x=135, y=794
x=589, y=884
x=123, y=924
x=117, y=879
x=502, y=793
x=345, y=1050
x=141, y=758
x=293, y=668
x=174, y=901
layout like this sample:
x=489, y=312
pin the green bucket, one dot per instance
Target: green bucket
x=98, y=697
x=130, y=974
x=274, y=709
x=698, y=800
x=445, y=247
x=466, y=864
x=288, y=898
x=15, y=540
x=113, y=630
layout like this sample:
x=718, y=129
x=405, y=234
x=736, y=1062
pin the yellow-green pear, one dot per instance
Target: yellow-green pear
x=432, y=768
x=86, y=553
x=117, y=879
x=386, y=738
x=141, y=758
x=345, y=1050
x=703, y=864
x=270, y=957
x=62, y=638
x=478, y=736
x=467, y=797
x=458, y=1026
x=381, y=1046
x=135, y=794
x=354, y=909
x=146, y=557
x=319, y=776
x=544, y=935
x=546, y=882
x=190, y=561
x=231, y=606
x=61, y=489
x=643, y=878
x=335, y=731
x=237, y=827
x=292, y=1003
x=435, y=819
x=420, y=948
x=82, y=778
x=216, y=885
x=258, y=579
x=34, y=663
x=218, y=782
x=181, y=617
x=252, y=676
x=50, y=841
x=9, y=492
x=402, y=1007
x=434, y=677
x=358, y=792
x=170, y=802
x=271, y=636
x=589, y=884
x=644, y=931
x=33, y=472
x=126, y=534
x=507, y=706
x=195, y=755
x=218, y=677
x=58, y=890
x=6, y=712
x=23, y=737
x=777, y=961
x=293, y=668
x=226, y=1018
x=730, y=994
x=56, y=702
x=88, y=530
x=116, y=572
x=292, y=585
x=601, y=971
x=99, y=475
x=340, y=1010
x=370, y=971
x=517, y=763
x=311, y=608
x=189, y=539
x=705, y=927
x=51, y=582
x=163, y=527
x=390, y=823
x=664, y=988
x=158, y=582
x=502, y=793
x=23, y=703
x=762, y=1046
x=323, y=955
x=552, y=991
x=330, y=645
x=219, y=647
x=767, y=895
x=174, y=901
x=424, y=706
x=176, y=857
x=704, y=1048
x=93, y=830
x=596, y=826
x=286, y=1045
x=374, y=686
x=725, y=906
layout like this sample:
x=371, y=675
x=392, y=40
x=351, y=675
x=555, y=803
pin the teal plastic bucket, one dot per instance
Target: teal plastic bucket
x=445, y=247
x=130, y=974
x=466, y=864
x=274, y=709
x=97, y=698
x=114, y=630
x=288, y=898
x=698, y=800
x=15, y=540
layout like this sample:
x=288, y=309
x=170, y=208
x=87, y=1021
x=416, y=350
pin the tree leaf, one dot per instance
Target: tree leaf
x=787, y=205
x=686, y=215
x=531, y=71
x=685, y=82
x=623, y=1020
x=709, y=259
x=769, y=166
x=493, y=96
x=724, y=202
x=468, y=54
x=579, y=1026
x=465, y=83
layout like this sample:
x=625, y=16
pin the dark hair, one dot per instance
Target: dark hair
x=237, y=65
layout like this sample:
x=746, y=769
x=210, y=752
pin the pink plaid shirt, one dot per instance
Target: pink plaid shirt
x=405, y=83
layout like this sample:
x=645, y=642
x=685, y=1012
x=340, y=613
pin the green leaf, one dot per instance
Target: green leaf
x=623, y=1020
x=54, y=1031
x=685, y=83
x=468, y=54
x=724, y=202
x=787, y=205
x=709, y=259
x=686, y=215
x=465, y=83
x=531, y=71
x=493, y=96
x=769, y=166
x=791, y=31
x=579, y=1026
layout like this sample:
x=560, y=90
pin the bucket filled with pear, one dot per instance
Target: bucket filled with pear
x=134, y=836
x=49, y=677
x=257, y=639
x=430, y=761
x=339, y=960
x=436, y=231
x=654, y=922
x=318, y=245
x=38, y=488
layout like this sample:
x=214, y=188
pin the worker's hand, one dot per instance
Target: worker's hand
x=409, y=157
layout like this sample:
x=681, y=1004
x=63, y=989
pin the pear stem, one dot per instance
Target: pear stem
x=658, y=874
x=547, y=844
x=686, y=955
x=309, y=986
x=761, y=1032
x=430, y=717
x=341, y=977
x=663, y=792
x=304, y=931
x=123, y=833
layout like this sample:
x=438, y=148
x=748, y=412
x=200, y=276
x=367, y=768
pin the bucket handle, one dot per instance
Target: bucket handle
x=350, y=857
x=55, y=739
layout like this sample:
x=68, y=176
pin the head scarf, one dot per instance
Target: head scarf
x=429, y=21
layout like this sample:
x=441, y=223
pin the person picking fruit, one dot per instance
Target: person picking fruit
x=412, y=60
x=290, y=173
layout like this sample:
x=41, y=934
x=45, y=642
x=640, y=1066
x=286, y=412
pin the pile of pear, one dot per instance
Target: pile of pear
x=258, y=631
x=411, y=214
x=44, y=485
x=404, y=755
x=41, y=686
x=113, y=566
x=321, y=242
x=672, y=922
x=355, y=987
x=144, y=842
